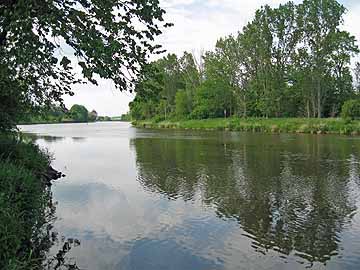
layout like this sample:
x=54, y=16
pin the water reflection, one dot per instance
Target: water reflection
x=292, y=195
x=205, y=200
x=78, y=139
x=46, y=138
x=149, y=252
x=149, y=236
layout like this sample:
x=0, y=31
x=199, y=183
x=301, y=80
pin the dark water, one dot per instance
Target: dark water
x=145, y=199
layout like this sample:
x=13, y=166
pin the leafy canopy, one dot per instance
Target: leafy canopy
x=108, y=39
x=293, y=60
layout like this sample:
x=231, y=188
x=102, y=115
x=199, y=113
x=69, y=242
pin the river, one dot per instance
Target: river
x=204, y=200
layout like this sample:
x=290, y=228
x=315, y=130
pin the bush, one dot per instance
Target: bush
x=158, y=118
x=181, y=104
x=212, y=100
x=351, y=109
x=22, y=208
x=27, y=155
x=25, y=204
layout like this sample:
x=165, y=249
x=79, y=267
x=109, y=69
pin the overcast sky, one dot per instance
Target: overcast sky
x=197, y=26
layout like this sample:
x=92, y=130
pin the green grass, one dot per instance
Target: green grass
x=25, y=204
x=271, y=125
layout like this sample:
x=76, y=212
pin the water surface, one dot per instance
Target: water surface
x=164, y=199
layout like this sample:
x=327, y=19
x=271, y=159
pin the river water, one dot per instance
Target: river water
x=164, y=199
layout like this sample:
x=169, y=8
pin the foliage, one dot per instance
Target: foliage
x=266, y=125
x=79, y=113
x=289, y=61
x=125, y=117
x=181, y=104
x=213, y=99
x=108, y=39
x=104, y=118
x=159, y=84
x=92, y=116
x=57, y=114
x=25, y=203
x=351, y=109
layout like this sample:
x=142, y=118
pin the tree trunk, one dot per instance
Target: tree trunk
x=319, y=99
x=308, y=108
x=245, y=107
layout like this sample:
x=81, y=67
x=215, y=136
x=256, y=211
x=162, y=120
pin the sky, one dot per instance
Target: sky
x=197, y=26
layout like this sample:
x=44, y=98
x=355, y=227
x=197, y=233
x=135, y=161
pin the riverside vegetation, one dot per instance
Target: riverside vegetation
x=56, y=114
x=76, y=114
x=34, y=77
x=25, y=204
x=289, y=62
x=271, y=125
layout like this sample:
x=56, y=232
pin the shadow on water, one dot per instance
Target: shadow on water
x=289, y=194
x=51, y=139
x=78, y=139
x=60, y=261
x=46, y=138
x=45, y=238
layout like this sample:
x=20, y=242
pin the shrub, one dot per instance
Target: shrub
x=182, y=104
x=25, y=204
x=27, y=155
x=351, y=109
x=158, y=118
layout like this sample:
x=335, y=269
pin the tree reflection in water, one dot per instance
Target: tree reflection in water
x=288, y=193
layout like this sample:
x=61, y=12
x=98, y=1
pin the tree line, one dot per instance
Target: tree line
x=289, y=61
x=58, y=114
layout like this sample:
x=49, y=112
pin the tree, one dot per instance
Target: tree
x=289, y=61
x=351, y=109
x=224, y=65
x=213, y=99
x=191, y=78
x=181, y=104
x=326, y=47
x=93, y=115
x=108, y=39
x=79, y=113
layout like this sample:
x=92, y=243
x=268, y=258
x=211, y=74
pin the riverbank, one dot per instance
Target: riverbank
x=64, y=122
x=271, y=125
x=25, y=203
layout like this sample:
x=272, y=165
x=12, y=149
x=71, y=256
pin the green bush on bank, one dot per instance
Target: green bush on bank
x=24, y=204
x=27, y=155
x=351, y=109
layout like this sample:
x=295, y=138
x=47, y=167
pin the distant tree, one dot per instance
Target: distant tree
x=125, y=117
x=79, y=113
x=92, y=116
x=109, y=39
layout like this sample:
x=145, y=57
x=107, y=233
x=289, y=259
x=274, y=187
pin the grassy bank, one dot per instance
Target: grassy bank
x=273, y=125
x=25, y=204
x=46, y=122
